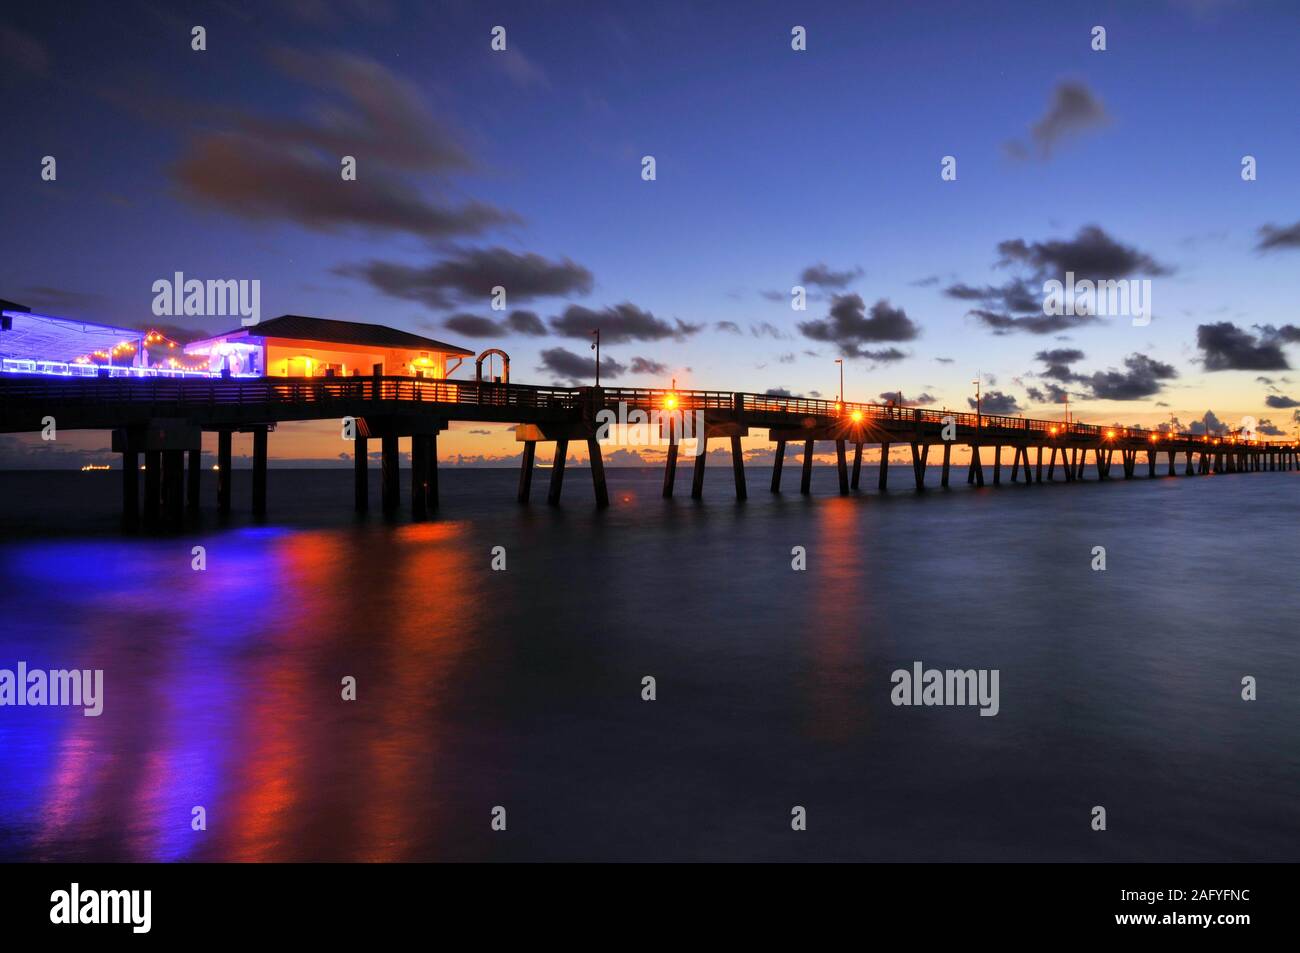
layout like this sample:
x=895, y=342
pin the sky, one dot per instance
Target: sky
x=773, y=168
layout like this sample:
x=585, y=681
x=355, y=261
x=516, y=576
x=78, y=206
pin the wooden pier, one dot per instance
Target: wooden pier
x=163, y=421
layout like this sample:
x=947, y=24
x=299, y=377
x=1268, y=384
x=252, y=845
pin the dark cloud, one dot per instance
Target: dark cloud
x=920, y=400
x=473, y=326
x=730, y=327
x=1047, y=394
x=470, y=274
x=777, y=392
x=1073, y=110
x=823, y=277
x=518, y=322
x=1058, y=362
x=765, y=330
x=1141, y=377
x=1019, y=303
x=1272, y=238
x=1281, y=402
x=644, y=365
x=577, y=368
x=849, y=328
x=1226, y=347
x=278, y=168
x=1269, y=429
x=995, y=402
x=42, y=297
x=1209, y=423
x=622, y=322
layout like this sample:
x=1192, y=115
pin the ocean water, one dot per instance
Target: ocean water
x=522, y=689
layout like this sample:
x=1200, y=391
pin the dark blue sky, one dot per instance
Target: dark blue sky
x=224, y=164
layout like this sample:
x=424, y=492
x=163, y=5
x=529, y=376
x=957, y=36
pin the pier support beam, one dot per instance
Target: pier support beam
x=805, y=480
x=670, y=465
x=842, y=465
x=697, y=478
x=997, y=464
x=360, y=474
x=389, y=489
x=597, y=463
x=976, y=472
x=130, y=488
x=174, y=486
x=152, y=486
x=1038, y=475
x=947, y=459
x=192, y=480
x=857, y=465
x=738, y=468
x=920, y=453
x=224, y=475
x=259, y=471
x=431, y=471
x=777, y=464
x=557, y=473
x=884, y=467
x=526, y=472
x=419, y=484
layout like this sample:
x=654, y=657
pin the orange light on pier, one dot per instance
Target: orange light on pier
x=1052, y=431
x=670, y=401
x=1110, y=435
x=839, y=408
x=856, y=416
x=1155, y=438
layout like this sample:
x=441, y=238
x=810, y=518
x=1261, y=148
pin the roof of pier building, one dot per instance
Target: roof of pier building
x=299, y=327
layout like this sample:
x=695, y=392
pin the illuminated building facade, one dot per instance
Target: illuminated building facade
x=296, y=346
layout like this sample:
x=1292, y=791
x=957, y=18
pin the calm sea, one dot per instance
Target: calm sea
x=522, y=688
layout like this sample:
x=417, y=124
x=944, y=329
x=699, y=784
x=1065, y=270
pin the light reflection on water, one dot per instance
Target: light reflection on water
x=522, y=688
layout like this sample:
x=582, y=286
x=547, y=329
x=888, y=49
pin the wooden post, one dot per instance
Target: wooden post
x=390, y=491
x=1015, y=465
x=419, y=503
x=997, y=464
x=259, y=471
x=130, y=486
x=1038, y=475
x=670, y=465
x=360, y=474
x=777, y=463
x=805, y=482
x=431, y=472
x=947, y=455
x=884, y=467
x=174, y=487
x=526, y=471
x=224, y=475
x=697, y=478
x=738, y=468
x=557, y=472
x=1051, y=465
x=597, y=473
x=919, y=455
x=842, y=464
x=1187, y=471
x=192, y=481
x=857, y=465
x=152, y=486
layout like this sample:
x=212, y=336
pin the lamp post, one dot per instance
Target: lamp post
x=595, y=346
x=840, y=362
x=979, y=425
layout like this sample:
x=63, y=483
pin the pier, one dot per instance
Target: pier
x=161, y=421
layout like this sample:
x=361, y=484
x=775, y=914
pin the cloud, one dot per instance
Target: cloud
x=823, y=277
x=622, y=322
x=1142, y=376
x=264, y=168
x=777, y=392
x=1208, y=423
x=518, y=322
x=1281, y=402
x=1227, y=347
x=644, y=365
x=41, y=297
x=1058, y=362
x=470, y=274
x=921, y=400
x=1268, y=428
x=1272, y=238
x=995, y=402
x=1018, y=304
x=521, y=71
x=1073, y=110
x=577, y=368
x=730, y=327
x=849, y=328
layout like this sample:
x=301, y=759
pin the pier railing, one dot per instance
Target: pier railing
x=317, y=393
